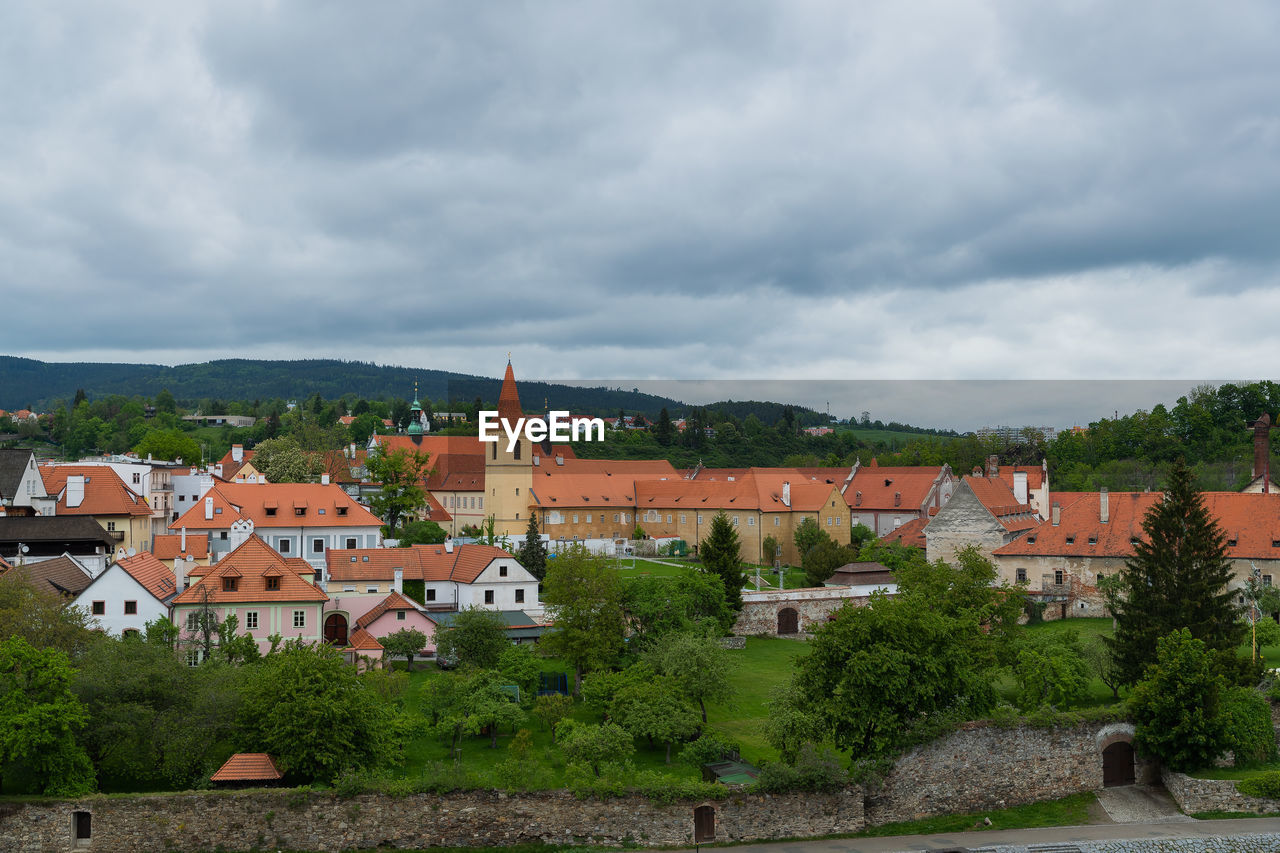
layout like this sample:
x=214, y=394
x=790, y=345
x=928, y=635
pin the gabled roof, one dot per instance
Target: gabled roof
x=13, y=464
x=394, y=601
x=155, y=577
x=168, y=546
x=910, y=533
x=997, y=496
x=251, y=564
x=1035, y=474
x=248, y=767
x=105, y=493
x=1250, y=521
x=63, y=530
x=230, y=467
x=419, y=562
x=62, y=576
x=362, y=641
x=274, y=505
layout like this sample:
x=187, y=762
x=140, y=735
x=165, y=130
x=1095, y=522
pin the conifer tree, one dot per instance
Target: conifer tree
x=1176, y=579
x=533, y=553
x=721, y=556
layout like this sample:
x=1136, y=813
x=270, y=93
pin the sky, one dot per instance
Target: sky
x=659, y=190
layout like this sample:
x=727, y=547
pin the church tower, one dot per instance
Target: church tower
x=508, y=474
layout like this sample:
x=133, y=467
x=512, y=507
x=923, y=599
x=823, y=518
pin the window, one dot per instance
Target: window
x=488, y=596
x=682, y=518
x=299, y=618
x=131, y=608
x=517, y=456
x=351, y=543
x=229, y=584
x=130, y=632
x=137, y=478
x=320, y=510
x=400, y=617
x=223, y=536
x=371, y=588
x=431, y=595
x=99, y=608
x=777, y=520
x=1266, y=580
x=348, y=589
x=1071, y=540
x=271, y=511
x=1031, y=540
x=829, y=521
x=299, y=511
x=1093, y=540
x=837, y=521
x=317, y=546
x=217, y=510
x=575, y=518
x=699, y=518
x=616, y=518
x=193, y=657
x=273, y=583
x=1057, y=576
x=1021, y=576
x=668, y=518
x=735, y=521
x=193, y=619
x=342, y=510
x=111, y=527
x=284, y=546
x=1233, y=542
x=519, y=596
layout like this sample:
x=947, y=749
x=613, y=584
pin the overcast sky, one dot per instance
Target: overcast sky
x=817, y=190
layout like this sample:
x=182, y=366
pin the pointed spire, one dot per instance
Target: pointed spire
x=415, y=413
x=509, y=399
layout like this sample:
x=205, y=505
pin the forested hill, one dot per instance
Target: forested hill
x=38, y=385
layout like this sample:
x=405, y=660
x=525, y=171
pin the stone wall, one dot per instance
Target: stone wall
x=759, y=616
x=1213, y=795
x=982, y=767
x=323, y=822
x=963, y=521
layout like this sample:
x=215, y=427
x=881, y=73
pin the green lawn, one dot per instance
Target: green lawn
x=1235, y=772
x=664, y=568
x=764, y=664
x=1068, y=811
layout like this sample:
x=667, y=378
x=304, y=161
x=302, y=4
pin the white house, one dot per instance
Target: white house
x=129, y=594
x=22, y=490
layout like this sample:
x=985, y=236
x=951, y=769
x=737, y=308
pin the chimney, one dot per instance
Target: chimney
x=1020, y=486
x=353, y=450
x=1262, y=450
x=237, y=453
x=179, y=573
x=786, y=494
x=398, y=583
x=1057, y=513
x=208, y=509
x=75, y=490
x=448, y=544
x=993, y=466
x=324, y=478
x=183, y=550
x=1103, y=506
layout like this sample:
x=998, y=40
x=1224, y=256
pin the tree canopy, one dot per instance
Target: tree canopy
x=583, y=597
x=402, y=474
x=720, y=553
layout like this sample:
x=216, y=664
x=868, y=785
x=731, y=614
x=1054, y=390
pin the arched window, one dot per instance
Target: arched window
x=517, y=448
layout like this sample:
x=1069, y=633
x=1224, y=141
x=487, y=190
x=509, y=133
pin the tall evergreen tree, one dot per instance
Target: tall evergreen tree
x=1176, y=579
x=533, y=553
x=665, y=430
x=721, y=555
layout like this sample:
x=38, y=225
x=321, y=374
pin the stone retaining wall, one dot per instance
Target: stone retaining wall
x=813, y=606
x=323, y=822
x=1213, y=795
x=982, y=767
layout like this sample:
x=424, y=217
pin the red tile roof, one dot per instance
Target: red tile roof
x=759, y=489
x=874, y=487
x=271, y=505
x=911, y=533
x=155, y=576
x=997, y=496
x=362, y=641
x=1035, y=474
x=1252, y=521
x=251, y=564
x=248, y=767
x=419, y=562
x=394, y=601
x=168, y=546
x=105, y=493
x=230, y=467
x=509, y=398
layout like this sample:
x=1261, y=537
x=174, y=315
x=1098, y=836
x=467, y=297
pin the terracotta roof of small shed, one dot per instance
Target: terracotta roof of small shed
x=248, y=767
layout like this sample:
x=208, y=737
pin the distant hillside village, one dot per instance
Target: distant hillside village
x=132, y=539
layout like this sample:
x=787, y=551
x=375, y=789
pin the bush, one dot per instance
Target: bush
x=706, y=749
x=1262, y=785
x=813, y=771
x=1247, y=719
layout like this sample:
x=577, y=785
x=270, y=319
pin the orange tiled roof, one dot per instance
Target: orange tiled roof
x=251, y=565
x=155, y=576
x=168, y=546
x=275, y=504
x=759, y=489
x=104, y=492
x=230, y=467
x=1035, y=474
x=248, y=767
x=362, y=641
x=1251, y=521
x=997, y=496
x=419, y=562
x=435, y=510
x=874, y=487
x=394, y=601
x=509, y=398
x=911, y=533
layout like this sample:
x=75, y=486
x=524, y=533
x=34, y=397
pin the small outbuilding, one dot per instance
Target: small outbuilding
x=248, y=770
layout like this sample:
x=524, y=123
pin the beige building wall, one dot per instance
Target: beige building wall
x=507, y=478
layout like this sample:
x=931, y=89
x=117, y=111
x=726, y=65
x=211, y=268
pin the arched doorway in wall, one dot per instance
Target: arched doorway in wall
x=788, y=621
x=1118, y=765
x=335, y=629
x=704, y=824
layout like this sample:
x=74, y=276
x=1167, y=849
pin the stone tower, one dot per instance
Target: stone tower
x=508, y=475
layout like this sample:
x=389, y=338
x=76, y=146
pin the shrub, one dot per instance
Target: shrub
x=1262, y=785
x=1246, y=716
x=813, y=771
x=706, y=749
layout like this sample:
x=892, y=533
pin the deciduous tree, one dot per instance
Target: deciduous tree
x=1176, y=705
x=407, y=643
x=698, y=667
x=583, y=597
x=475, y=638
x=40, y=718
x=402, y=475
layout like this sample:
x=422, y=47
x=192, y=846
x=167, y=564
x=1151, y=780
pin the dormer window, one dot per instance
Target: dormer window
x=273, y=584
x=1031, y=540
x=1071, y=540
x=1093, y=540
x=271, y=511
x=229, y=584
x=300, y=511
x=342, y=510
x=1232, y=542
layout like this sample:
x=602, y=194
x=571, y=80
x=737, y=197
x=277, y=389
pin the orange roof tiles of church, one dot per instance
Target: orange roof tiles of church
x=394, y=601
x=168, y=546
x=418, y=562
x=874, y=487
x=251, y=564
x=509, y=398
x=1250, y=521
x=104, y=492
x=155, y=576
x=248, y=767
x=275, y=505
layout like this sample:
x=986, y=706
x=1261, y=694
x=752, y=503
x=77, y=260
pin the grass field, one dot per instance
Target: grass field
x=673, y=567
